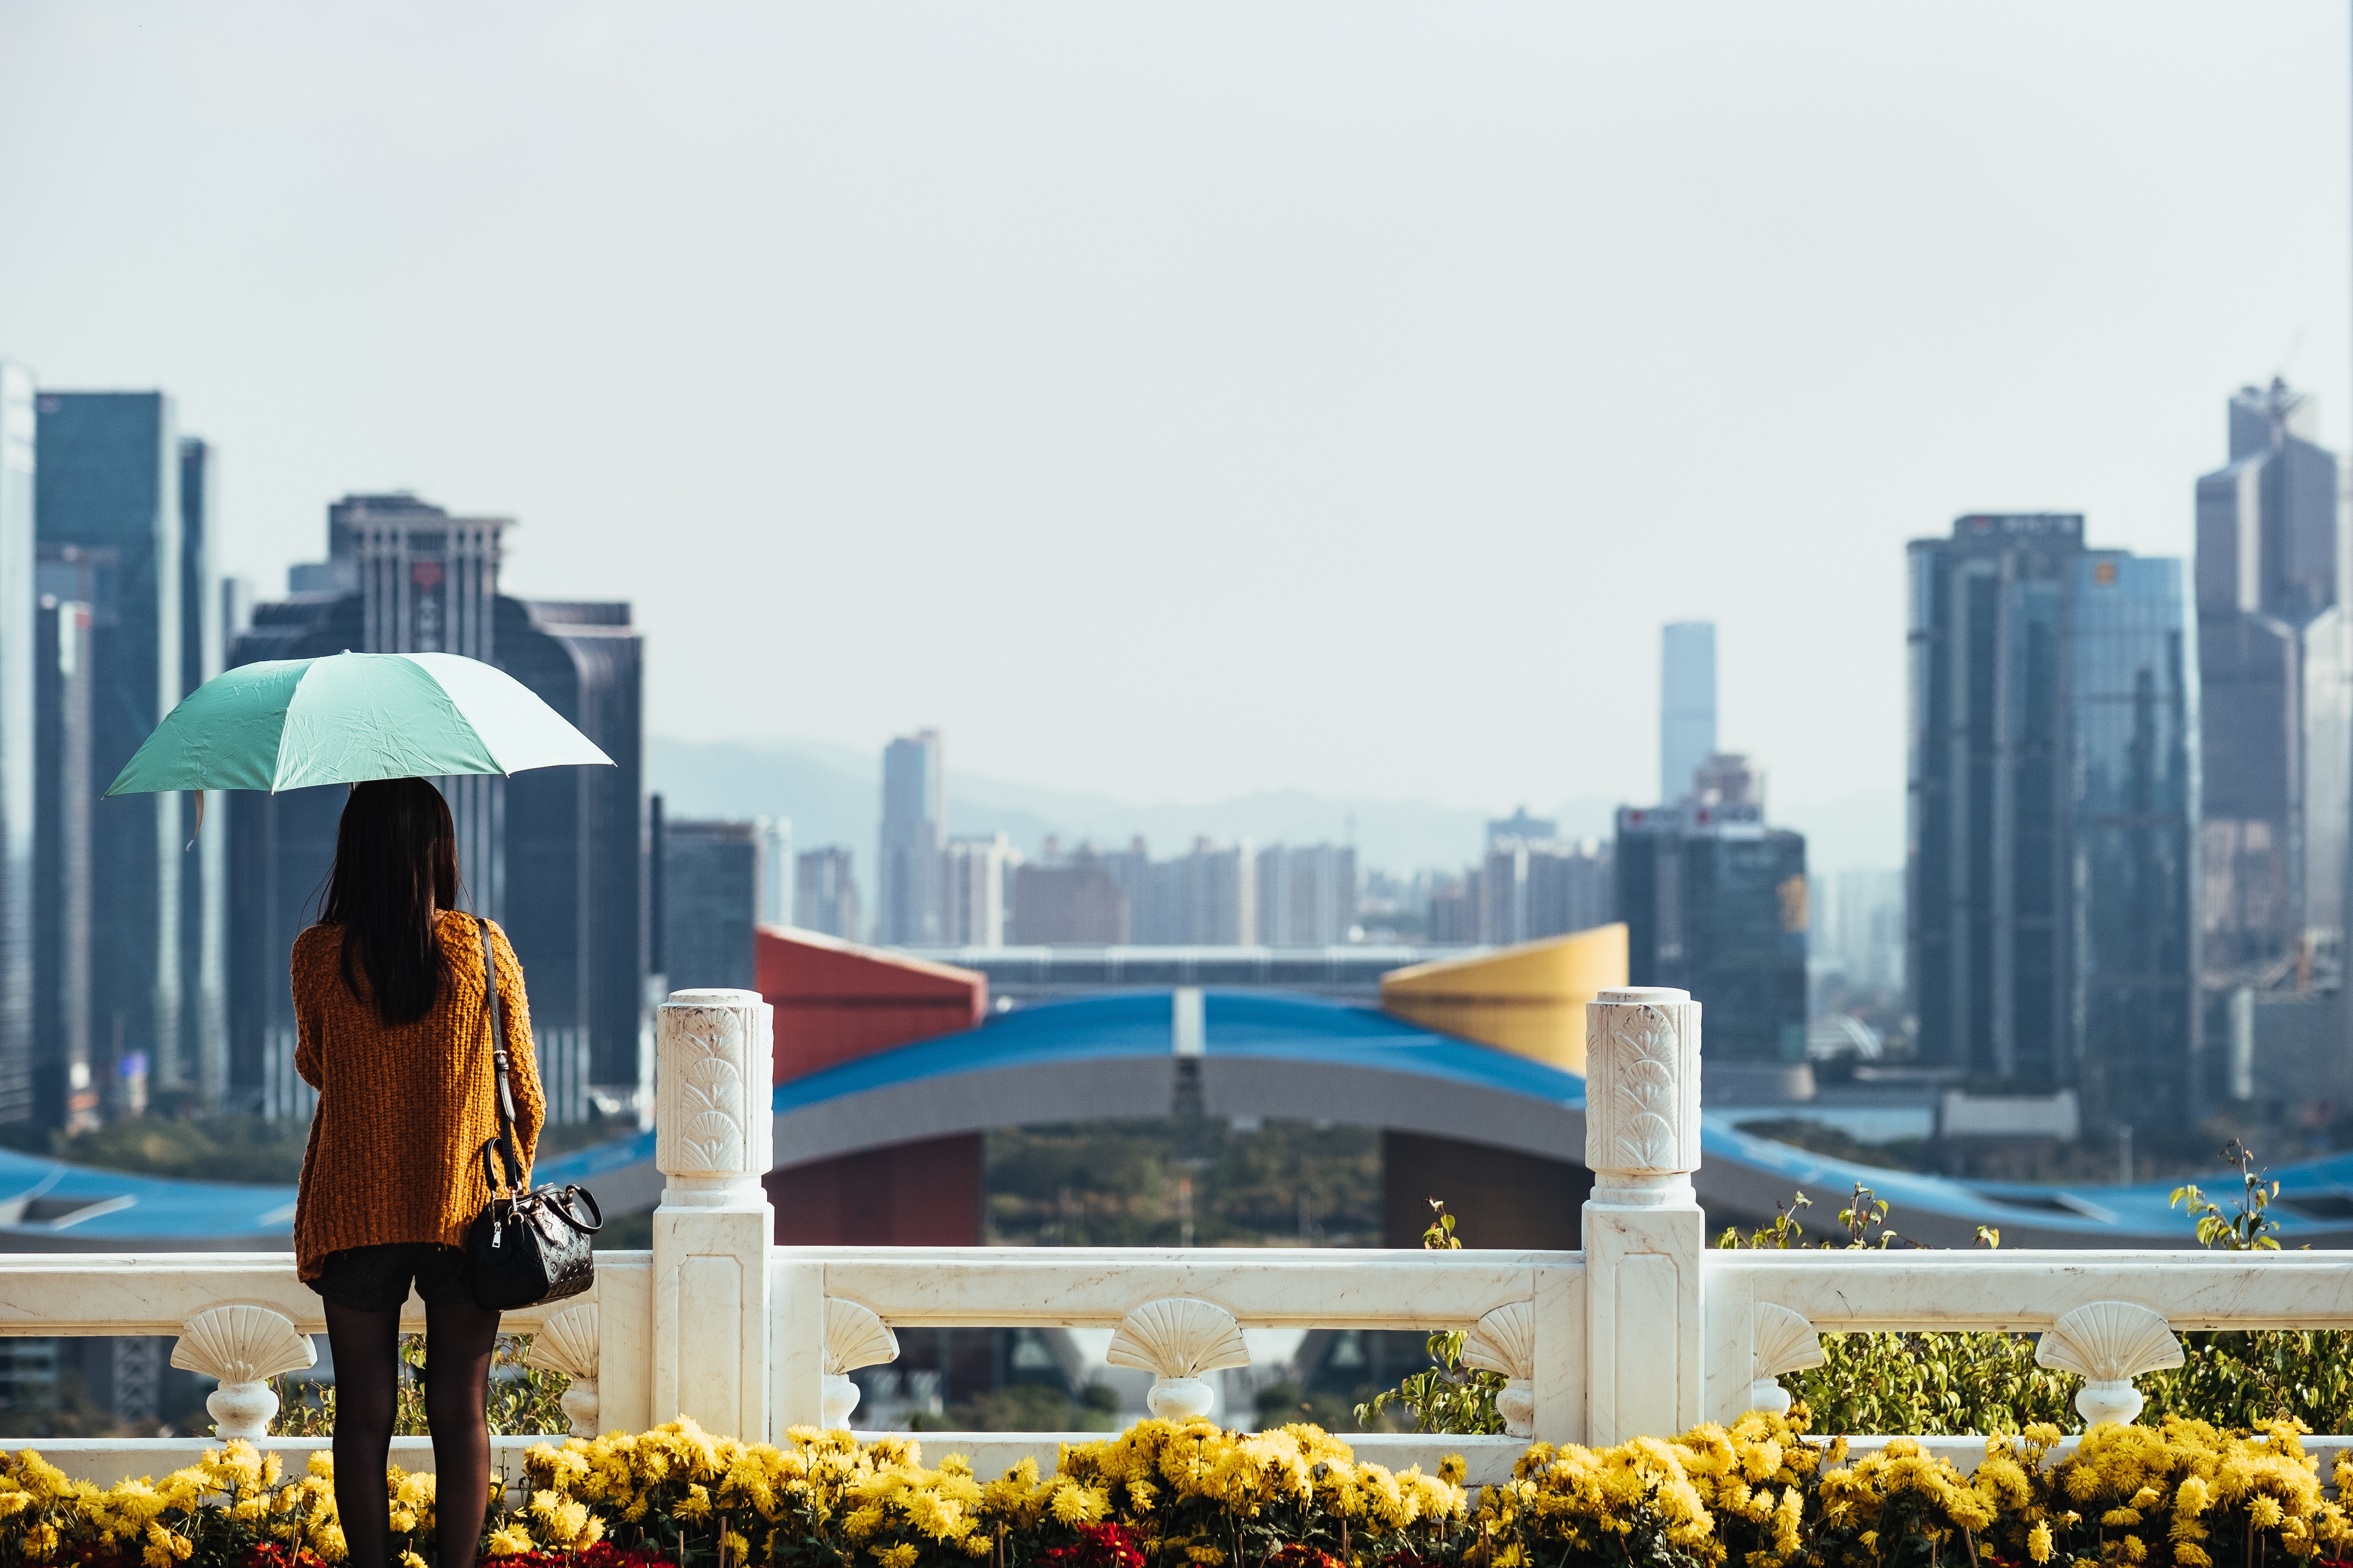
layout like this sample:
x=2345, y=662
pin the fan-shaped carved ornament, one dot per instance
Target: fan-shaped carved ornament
x=1784, y=1342
x=242, y=1344
x=1504, y=1340
x=2108, y=1340
x=568, y=1343
x=1178, y=1337
x=855, y=1336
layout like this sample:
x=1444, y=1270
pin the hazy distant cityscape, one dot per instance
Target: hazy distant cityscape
x=2131, y=781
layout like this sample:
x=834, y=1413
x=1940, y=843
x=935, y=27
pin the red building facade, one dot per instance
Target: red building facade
x=836, y=1002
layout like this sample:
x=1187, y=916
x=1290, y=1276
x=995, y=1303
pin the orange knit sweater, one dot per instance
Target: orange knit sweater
x=395, y=1152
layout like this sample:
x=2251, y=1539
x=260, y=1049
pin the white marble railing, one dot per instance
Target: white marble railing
x=1646, y=1331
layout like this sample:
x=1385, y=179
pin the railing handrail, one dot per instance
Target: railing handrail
x=2030, y=1292
x=1646, y=1331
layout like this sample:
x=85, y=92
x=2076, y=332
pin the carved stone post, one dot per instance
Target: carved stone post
x=713, y=1141
x=1643, y=1230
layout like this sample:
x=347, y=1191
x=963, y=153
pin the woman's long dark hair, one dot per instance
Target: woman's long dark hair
x=396, y=862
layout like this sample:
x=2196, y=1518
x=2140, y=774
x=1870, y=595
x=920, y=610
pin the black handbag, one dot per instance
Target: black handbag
x=524, y=1247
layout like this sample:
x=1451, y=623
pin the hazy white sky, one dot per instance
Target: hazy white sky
x=1183, y=400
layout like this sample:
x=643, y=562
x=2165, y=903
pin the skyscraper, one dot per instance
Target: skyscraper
x=204, y=876
x=1714, y=903
x=1686, y=704
x=16, y=742
x=915, y=830
x=1068, y=902
x=977, y=873
x=1533, y=887
x=2052, y=799
x=108, y=479
x=1858, y=927
x=710, y=903
x=825, y=892
x=1201, y=899
x=2276, y=715
x=65, y=1086
x=556, y=855
x=1307, y=895
x=776, y=837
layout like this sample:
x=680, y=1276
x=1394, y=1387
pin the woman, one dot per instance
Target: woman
x=392, y=1032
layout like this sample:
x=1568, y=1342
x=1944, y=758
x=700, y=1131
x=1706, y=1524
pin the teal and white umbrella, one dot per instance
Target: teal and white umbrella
x=351, y=717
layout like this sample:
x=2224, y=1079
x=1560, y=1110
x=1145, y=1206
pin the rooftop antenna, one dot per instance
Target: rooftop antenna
x=2287, y=360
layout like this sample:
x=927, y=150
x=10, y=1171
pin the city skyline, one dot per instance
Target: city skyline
x=1484, y=377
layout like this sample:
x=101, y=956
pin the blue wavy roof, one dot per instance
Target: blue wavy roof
x=1237, y=1024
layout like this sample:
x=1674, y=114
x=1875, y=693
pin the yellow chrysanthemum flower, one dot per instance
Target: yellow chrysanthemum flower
x=511, y=1541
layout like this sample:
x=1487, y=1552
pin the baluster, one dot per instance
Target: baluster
x=1176, y=1340
x=713, y=1138
x=569, y=1342
x=1506, y=1341
x=1642, y=1226
x=243, y=1346
x=1784, y=1342
x=855, y=1336
x=2110, y=1344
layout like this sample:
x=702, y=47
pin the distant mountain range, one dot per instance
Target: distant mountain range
x=831, y=792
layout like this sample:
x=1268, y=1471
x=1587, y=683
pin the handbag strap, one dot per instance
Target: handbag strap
x=503, y=1099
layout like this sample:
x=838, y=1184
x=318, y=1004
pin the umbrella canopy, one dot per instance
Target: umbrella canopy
x=348, y=718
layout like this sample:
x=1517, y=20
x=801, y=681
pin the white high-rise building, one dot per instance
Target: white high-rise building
x=977, y=873
x=773, y=835
x=1686, y=706
x=1206, y=898
x=1307, y=895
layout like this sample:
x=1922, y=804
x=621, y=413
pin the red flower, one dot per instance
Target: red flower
x=1100, y=1546
x=1300, y=1555
x=272, y=1554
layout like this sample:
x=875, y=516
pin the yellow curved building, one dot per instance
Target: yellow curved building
x=1528, y=1000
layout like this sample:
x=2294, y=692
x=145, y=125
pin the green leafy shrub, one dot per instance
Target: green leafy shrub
x=525, y=1401
x=1987, y=1382
x=1449, y=1397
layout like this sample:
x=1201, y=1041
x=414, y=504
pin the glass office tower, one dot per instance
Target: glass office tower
x=2135, y=797
x=108, y=479
x=914, y=831
x=2277, y=717
x=555, y=855
x=204, y=875
x=2053, y=801
x=1686, y=705
x=17, y=729
x=1715, y=903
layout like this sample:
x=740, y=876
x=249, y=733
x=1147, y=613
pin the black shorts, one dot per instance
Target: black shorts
x=376, y=1279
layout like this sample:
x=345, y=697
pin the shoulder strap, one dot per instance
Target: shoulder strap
x=504, y=1098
